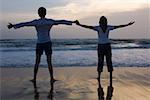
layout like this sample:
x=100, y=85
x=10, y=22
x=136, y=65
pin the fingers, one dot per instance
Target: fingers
x=77, y=22
x=9, y=26
x=131, y=23
x=74, y=21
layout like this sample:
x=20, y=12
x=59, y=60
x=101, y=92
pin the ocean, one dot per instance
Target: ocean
x=75, y=52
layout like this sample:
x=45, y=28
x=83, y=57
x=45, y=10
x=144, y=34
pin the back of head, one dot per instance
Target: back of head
x=103, y=21
x=42, y=12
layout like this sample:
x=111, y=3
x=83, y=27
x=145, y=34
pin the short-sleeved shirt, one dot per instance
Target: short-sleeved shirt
x=43, y=27
x=103, y=37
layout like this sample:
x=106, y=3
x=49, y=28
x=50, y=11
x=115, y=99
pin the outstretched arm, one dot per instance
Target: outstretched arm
x=120, y=26
x=10, y=25
x=85, y=26
x=57, y=22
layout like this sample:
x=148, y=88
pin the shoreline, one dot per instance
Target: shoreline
x=1, y=67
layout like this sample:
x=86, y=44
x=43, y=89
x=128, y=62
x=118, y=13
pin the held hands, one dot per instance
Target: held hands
x=10, y=26
x=131, y=23
x=77, y=22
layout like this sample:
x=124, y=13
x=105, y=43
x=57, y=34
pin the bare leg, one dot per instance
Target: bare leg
x=99, y=76
x=36, y=66
x=109, y=63
x=50, y=67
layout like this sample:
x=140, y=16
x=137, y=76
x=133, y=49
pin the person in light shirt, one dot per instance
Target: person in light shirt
x=104, y=49
x=43, y=26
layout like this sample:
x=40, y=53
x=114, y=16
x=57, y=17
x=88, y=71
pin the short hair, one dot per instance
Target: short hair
x=42, y=12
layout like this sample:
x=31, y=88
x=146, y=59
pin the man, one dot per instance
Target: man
x=43, y=27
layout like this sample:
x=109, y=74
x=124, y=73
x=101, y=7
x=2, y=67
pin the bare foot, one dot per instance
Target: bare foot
x=33, y=80
x=50, y=96
x=53, y=80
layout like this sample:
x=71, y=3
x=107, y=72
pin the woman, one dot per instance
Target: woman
x=104, y=49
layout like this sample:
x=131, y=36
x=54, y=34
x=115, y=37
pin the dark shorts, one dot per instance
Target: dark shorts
x=47, y=47
x=104, y=50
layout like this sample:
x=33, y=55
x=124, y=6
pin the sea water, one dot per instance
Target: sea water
x=74, y=52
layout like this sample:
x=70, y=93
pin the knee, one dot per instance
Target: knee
x=100, y=69
x=110, y=69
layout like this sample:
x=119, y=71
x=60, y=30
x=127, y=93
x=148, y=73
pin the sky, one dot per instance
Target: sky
x=86, y=11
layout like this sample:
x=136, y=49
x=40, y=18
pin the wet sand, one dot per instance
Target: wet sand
x=75, y=83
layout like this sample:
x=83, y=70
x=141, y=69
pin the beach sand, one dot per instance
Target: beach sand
x=75, y=83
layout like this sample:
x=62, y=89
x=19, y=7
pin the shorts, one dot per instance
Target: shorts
x=104, y=50
x=41, y=47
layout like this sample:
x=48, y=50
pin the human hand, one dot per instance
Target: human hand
x=10, y=26
x=77, y=22
x=131, y=23
x=74, y=21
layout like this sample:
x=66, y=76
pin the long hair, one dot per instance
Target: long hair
x=103, y=23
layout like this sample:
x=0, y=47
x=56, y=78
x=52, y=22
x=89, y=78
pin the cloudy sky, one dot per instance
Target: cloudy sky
x=86, y=11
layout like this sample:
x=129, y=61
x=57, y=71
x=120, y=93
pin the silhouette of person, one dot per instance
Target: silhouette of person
x=104, y=49
x=43, y=27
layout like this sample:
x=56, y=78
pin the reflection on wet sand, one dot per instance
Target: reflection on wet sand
x=37, y=95
x=50, y=94
x=101, y=91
